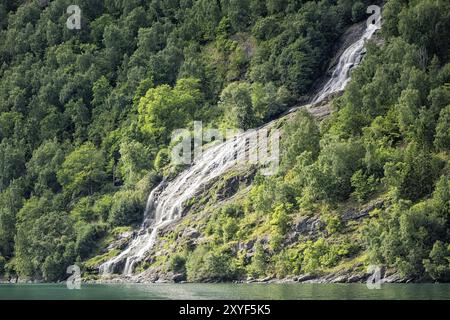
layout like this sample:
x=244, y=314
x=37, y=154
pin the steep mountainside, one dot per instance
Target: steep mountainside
x=87, y=114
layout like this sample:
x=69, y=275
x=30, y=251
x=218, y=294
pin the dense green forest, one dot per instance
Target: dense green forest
x=86, y=118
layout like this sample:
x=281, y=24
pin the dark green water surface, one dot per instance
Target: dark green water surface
x=224, y=291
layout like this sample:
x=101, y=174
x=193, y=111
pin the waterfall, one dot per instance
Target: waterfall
x=349, y=59
x=166, y=202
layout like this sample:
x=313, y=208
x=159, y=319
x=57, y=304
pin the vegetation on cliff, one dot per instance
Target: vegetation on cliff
x=86, y=117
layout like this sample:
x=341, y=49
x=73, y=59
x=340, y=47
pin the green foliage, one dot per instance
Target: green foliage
x=404, y=236
x=438, y=265
x=83, y=171
x=333, y=222
x=12, y=161
x=95, y=262
x=164, y=109
x=259, y=262
x=44, y=243
x=413, y=177
x=87, y=239
x=364, y=186
x=422, y=14
x=135, y=161
x=320, y=254
x=266, y=28
x=86, y=115
x=300, y=135
x=236, y=102
x=2, y=265
x=11, y=202
x=358, y=11
x=102, y=207
x=389, y=130
x=329, y=178
x=178, y=264
x=246, y=106
x=233, y=210
x=86, y=119
x=279, y=222
x=442, y=139
x=205, y=263
x=287, y=262
x=275, y=6
x=44, y=165
x=229, y=229
x=280, y=219
x=162, y=159
x=127, y=209
x=238, y=12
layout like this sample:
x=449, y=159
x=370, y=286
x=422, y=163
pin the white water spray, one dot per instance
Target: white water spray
x=166, y=202
x=349, y=59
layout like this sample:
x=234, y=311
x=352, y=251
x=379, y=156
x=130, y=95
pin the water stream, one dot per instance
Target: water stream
x=166, y=202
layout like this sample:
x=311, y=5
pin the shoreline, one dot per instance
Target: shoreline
x=304, y=279
x=342, y=277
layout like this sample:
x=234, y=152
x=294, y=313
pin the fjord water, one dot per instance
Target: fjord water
x=225, y=292
x=165, y=203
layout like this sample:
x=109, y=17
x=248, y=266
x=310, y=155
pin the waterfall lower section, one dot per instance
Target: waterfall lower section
x=166, y=202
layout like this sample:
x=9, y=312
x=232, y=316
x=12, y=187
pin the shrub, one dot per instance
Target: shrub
x=2, y=265
x=208, y=264
x=282, y=264
x=102, y=207
x=83, y=170
x=442, y=138
x=87, y=239
x=358, y=11
x=288, y=262
x=126, y=210
x=266, y=28
x=363, y=186
x=280, y=218
x=438, y=265
x=258, y=265
x=162, y=160
x=178, y=264
x=333, y=223
x=321, y=254
x=414, y=176
x=410, y=238
x=229, y=229
x=312, y=255
x=233, y=210
x=134, y=162
x=300, y=134
x=95, y=262
x=275, y=241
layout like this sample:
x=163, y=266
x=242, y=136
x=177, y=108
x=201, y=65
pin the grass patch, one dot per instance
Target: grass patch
x=96, y=261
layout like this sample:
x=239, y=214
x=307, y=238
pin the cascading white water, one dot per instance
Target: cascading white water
x=349, y=59
x=165, y=203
